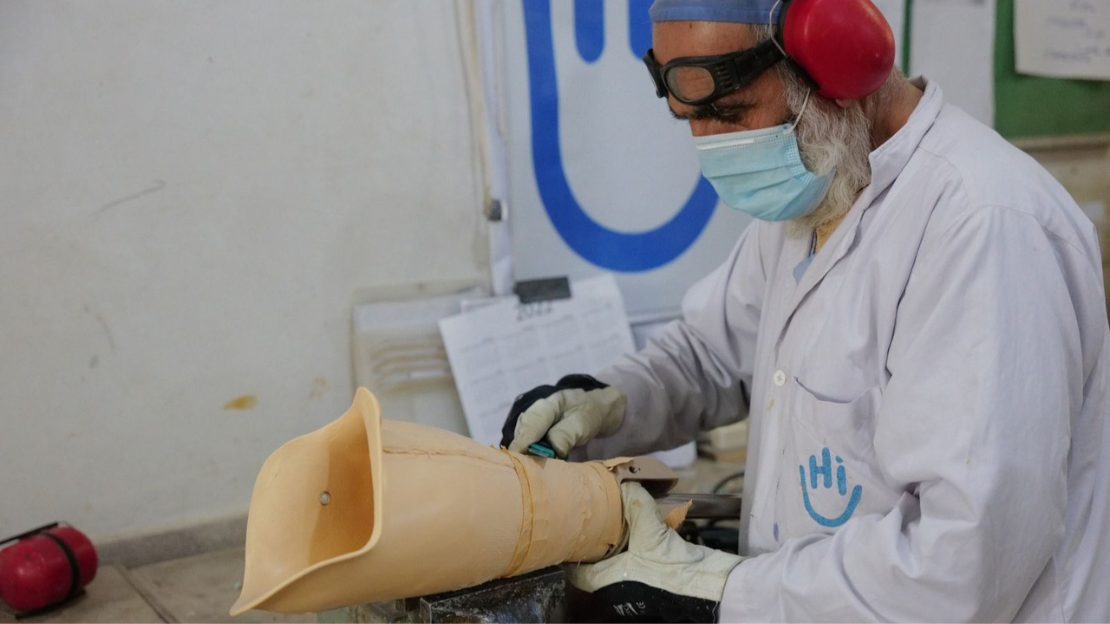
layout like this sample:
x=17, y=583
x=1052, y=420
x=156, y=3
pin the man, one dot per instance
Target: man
x=917, y=328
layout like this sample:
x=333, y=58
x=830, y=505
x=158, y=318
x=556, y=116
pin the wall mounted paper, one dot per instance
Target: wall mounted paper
x=1065, y=39
x=501, y=350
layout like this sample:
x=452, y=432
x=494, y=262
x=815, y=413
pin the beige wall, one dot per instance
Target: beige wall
x=192, y=191
x=1084, y=169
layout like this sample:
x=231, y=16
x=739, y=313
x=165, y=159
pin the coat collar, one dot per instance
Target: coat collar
x=887, y=163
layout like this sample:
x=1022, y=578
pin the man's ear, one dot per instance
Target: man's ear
x=844, y=103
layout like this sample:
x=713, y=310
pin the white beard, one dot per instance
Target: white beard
x=831, y=139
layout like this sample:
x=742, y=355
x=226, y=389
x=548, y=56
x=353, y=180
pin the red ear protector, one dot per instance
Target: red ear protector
x=842, y=48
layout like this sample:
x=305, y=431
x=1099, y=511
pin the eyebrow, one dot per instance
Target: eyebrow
x=715, y=110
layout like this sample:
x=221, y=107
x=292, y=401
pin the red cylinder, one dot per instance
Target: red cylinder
x=46, y=568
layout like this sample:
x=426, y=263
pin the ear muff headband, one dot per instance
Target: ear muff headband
x=842, y=48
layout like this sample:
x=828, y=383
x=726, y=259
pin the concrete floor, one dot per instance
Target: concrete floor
x=194, y=589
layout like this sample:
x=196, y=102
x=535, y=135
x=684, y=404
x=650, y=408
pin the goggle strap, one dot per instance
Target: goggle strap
x=764, y=57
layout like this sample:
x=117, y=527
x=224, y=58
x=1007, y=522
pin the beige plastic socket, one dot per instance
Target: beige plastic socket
x=365, y=510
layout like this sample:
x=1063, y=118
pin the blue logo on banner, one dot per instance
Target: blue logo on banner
x=609, y=249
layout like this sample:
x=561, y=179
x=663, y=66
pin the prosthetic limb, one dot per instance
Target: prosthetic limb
x=365, y=510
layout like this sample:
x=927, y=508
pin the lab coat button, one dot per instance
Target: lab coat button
x=780, y=378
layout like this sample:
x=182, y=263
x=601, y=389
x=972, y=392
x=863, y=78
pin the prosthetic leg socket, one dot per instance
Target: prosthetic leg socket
x=366, y=510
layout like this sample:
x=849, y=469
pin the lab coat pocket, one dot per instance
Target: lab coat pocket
x=833, y=461
x=851, y=423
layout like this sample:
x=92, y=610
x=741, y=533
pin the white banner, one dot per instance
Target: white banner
x=601, y=178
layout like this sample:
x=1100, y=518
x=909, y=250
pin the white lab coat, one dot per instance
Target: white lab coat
x=928, y=403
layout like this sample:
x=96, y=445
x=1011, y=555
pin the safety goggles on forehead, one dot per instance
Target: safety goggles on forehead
x=698, y=80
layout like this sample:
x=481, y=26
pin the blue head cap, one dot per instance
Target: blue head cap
x=742, y=11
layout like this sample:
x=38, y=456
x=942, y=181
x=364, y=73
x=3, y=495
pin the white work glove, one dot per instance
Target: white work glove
x=661, y=577
x=568, y=414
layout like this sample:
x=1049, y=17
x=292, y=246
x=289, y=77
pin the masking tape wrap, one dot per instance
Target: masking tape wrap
x=365, y=510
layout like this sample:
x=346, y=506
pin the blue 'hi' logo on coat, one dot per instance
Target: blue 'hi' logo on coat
x=609, y=249
x=825, y=470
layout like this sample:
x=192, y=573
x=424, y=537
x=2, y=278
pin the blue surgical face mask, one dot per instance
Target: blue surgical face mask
x=760, y=172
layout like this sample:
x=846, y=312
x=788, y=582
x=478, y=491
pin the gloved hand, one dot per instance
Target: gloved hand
x=569, y=414
x=661, y=577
